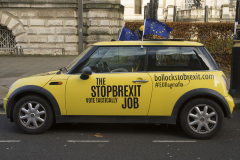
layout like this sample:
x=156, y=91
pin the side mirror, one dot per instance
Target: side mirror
x=86, y=72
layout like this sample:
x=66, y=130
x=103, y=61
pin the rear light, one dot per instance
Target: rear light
x=225, y=81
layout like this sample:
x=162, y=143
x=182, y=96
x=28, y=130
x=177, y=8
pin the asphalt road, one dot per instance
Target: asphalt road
x=119, y=141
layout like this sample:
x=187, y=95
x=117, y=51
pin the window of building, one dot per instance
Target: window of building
x=138, y=6
x=7, y=40
x=189, y=4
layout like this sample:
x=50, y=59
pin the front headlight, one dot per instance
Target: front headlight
x=11, y=86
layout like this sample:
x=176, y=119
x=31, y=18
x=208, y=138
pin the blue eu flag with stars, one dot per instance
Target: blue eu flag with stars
x=127, y=35
x=152, y=26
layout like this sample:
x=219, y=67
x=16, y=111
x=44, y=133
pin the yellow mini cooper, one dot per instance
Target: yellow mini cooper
x=127, y=82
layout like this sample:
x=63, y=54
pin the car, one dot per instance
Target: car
x=127, y=82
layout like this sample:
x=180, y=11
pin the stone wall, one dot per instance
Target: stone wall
x=54, y=23
x=42, y=24
x=102, y=21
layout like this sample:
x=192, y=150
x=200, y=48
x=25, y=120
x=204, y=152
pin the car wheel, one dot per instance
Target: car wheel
x=201, y=118
x=33, y=114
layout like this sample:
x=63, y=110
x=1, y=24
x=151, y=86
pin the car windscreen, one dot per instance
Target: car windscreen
x=116, y=59
x=69, y=67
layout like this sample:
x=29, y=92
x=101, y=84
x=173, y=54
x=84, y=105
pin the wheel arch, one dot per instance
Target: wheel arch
x=31, y=90
x=201, y=93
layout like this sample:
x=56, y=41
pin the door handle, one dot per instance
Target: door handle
x=140, y=81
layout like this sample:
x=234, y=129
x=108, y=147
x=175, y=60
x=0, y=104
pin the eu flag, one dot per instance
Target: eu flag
x=127, y=35
x=152, y=26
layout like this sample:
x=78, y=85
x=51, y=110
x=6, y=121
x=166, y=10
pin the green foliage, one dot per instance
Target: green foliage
x=217, y=37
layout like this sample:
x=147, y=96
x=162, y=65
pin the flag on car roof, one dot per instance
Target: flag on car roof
x=127, y=35
x=153, y=26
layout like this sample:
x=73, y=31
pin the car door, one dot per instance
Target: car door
x=119, y=84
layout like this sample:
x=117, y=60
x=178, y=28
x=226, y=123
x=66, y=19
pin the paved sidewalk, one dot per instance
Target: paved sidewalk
x=13, y=68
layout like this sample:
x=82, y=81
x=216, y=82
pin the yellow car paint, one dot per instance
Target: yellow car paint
x=34, y=80
x=231, y=103
x=151, y=43
x=58, y=91
x=168, y=87
x=83, y=98
x=5, y=103
x=157, y=97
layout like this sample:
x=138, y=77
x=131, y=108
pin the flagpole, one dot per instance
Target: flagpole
x=120, y=34
x=143, y=33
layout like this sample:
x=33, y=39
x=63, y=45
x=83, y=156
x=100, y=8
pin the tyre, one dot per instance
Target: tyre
x=201, y=118
x=33, y=114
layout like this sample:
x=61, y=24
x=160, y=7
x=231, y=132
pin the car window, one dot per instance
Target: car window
x=208, y=59
x=116, y=59
x=174, y=59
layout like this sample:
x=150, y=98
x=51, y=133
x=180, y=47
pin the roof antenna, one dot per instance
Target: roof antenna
x=190, y=37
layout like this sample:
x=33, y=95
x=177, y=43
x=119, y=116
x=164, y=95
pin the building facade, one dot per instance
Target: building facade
x=51, y=26
x=219, y=10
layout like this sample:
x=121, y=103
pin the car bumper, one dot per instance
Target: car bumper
x=5, y=103
x=230, y=102
x=231, y=105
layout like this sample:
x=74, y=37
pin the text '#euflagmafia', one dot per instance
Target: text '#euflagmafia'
x=178, y=80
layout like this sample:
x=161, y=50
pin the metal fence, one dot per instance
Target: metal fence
x=21, y=53
x=18, y=52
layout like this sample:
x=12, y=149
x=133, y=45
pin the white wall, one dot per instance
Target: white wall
x=129, y=12
x=169, y=2
x=180, y=4
x=130, y=15
x=209, y=3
